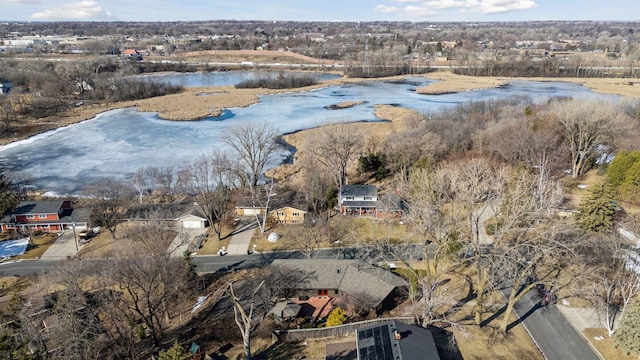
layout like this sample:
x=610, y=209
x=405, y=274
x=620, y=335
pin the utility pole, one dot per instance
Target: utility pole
x=75, y=236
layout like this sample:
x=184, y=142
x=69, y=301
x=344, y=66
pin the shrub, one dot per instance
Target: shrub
x=336, y=317
x=281, y=81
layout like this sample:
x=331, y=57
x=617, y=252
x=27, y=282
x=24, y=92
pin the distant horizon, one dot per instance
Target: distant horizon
x=415, y=11
x=317, y=21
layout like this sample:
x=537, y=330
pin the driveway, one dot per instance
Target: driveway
x=63, y=247
x=241, y=237
x=182, y=241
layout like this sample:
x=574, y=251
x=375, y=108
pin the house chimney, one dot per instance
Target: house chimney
x=338, y=270
x=397, y=335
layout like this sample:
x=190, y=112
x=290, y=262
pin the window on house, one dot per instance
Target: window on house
x=295, y=214
x=323, y=292
x=32, y=226
x=10, y=226
x=31, y=216
x=280, y=213
x=368, y=198
x=349, y=198
x=42, y=216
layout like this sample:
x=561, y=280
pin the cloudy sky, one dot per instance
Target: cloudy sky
x=331, y=10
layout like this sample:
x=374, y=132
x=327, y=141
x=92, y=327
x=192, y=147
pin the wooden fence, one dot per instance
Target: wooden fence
x=340, y=330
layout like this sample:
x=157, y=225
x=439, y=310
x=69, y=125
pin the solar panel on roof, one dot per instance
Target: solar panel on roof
x=375, y=343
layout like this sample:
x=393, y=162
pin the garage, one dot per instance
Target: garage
x=191, y=221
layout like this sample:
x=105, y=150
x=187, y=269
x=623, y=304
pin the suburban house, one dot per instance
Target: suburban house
x=5, y=86
x=364, y=200
x=350, y=279
x=132, y=54
x=287, y=215
x=395, y=340
x=193, y=219
x=390, y=206
x=245, y=207
x=285, y=207
x=48, y=216
x=186, y=215
x=358, y=199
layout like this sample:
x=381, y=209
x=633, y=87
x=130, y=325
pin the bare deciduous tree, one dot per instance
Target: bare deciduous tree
x=108, y=199
x=614, y=279
x=210, y=179
x=335, y=147
x=586, y=125
x=244, y=318
x=254, y=144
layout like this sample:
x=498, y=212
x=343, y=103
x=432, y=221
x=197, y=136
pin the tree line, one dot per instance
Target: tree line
x=484, y=183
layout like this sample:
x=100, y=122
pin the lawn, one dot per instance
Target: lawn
x=605, y=345
x=10, y=285
x=577, y=189
x=367, y=230
x=40, y=244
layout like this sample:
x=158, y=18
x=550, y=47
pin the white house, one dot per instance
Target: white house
x=358, y=199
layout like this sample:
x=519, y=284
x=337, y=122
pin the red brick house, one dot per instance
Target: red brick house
x=48, y=216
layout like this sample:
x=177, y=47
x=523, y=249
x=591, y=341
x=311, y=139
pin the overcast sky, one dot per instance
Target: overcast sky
x=321, y=10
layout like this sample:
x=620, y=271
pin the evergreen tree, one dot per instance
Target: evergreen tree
x=617, y=170
x=175, y=352
x=596, y=211
x=627, y=336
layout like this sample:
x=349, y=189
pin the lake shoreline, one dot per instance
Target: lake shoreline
x=198, y=103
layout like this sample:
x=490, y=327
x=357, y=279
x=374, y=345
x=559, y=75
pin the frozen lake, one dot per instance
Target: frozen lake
x=118, y=142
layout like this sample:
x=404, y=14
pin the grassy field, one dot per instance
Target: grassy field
x=40, y=245
x=605, y=346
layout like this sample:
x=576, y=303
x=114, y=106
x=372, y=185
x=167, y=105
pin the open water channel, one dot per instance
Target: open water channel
x=118, y=142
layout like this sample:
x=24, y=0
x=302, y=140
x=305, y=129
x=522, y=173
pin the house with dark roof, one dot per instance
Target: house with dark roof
x=364, y=200
x=354, y=279
x=184, y=214
x=5, y=86
x=394, y=340
x=48, y=216
x=358, y=199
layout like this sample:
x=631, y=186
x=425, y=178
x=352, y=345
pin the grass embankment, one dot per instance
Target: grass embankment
x=40, y=244
x=600, y=340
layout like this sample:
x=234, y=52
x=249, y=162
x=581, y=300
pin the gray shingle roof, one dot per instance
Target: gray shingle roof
x=359, y=190
x=391, y=202
x=379, y=343
x=38, y=207
x=352, y=277
x=166, y=211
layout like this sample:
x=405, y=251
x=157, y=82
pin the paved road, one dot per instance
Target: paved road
x=551, y=331
x=28, y=267
x=183, y=240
